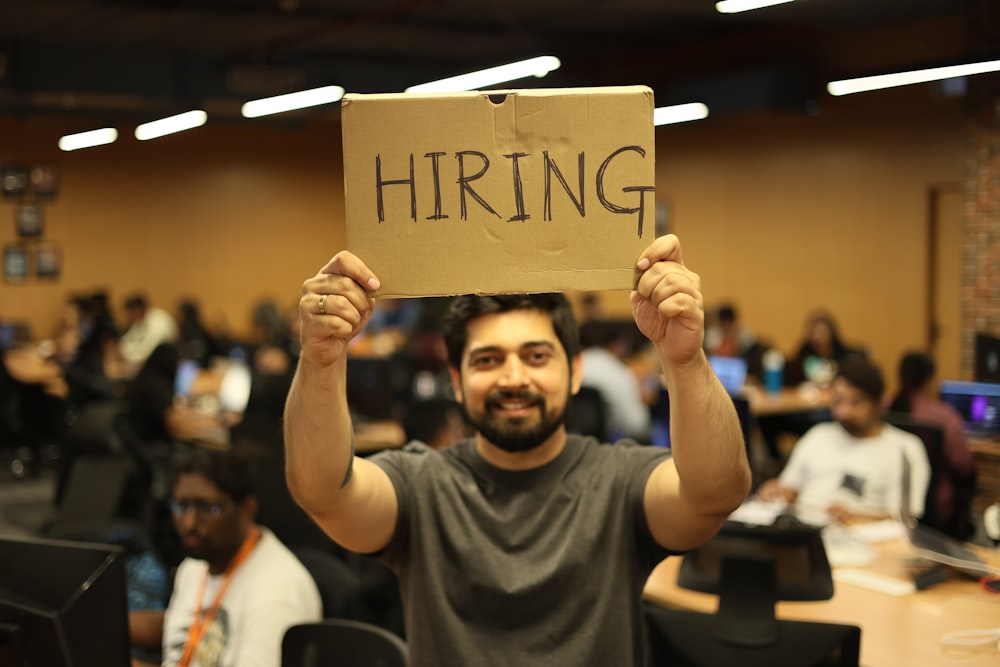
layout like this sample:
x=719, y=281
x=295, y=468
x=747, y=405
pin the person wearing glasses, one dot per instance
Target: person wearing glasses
x=238, y=588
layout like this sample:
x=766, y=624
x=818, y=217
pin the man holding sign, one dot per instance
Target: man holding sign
x=523, y=545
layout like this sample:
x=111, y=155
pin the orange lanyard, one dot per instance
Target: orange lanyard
x=200, y=623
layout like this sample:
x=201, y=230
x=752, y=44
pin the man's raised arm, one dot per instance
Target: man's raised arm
x=688, y=497
x=352, y=499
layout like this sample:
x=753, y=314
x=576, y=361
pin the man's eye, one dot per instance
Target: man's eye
x=538, y=358
x=484, y=362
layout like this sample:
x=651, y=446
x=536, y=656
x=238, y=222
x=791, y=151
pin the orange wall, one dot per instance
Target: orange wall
x=777, y=212
x=784, y=214
x=224, y=214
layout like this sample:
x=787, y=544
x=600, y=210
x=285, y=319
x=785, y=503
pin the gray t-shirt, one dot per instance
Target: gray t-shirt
x=537, y=567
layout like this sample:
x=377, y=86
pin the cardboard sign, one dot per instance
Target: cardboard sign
x=512, y=191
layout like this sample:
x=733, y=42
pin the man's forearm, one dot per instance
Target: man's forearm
x=145, y=627
x=706, y=438
x=318, y=434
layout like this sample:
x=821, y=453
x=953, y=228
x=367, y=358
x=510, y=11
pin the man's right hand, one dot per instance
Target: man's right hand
x=773, y=490
x=342, y=288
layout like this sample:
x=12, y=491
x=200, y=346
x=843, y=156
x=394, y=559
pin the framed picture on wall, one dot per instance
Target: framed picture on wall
x=44, y=178
x=30, y=220
x=15, y=264
x=13, y=179
x=48, y=259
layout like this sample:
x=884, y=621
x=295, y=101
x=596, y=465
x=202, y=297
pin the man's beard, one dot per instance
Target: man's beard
x=520, y=434
x=855, y=430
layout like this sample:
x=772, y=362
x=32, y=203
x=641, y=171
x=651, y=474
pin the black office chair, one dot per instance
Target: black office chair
x=341, y=642
x=587, y=414
x=339, y=587
x=750, y=568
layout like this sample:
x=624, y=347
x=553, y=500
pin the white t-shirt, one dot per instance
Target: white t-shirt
x=140, y=339
x=270, y=592
x=828, y=466
x=628, y=415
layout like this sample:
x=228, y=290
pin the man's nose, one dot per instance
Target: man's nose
x=514, y=374
x=187, y=519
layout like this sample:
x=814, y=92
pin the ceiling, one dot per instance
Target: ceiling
x=143, y=58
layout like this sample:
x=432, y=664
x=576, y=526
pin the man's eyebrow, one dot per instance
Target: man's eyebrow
x=489, y=349
x=540, y=343
x=485, y=349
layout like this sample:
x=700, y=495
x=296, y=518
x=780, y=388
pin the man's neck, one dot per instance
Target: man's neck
x=220, y=565
x=872, y=431
x=525, y=460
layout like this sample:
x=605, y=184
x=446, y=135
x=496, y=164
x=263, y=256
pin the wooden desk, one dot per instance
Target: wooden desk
x=895, y=631
x=986, y=453
x=787, y=401
x=370, y=437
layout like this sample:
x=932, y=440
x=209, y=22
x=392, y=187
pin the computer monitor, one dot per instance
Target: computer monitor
x=62, y=604
x=13, y=334
x=732, y=372
x=977, y=402
x=234, y=389
x=986, y=358
x=660, y=417
x=187, y=373
x=796, y=551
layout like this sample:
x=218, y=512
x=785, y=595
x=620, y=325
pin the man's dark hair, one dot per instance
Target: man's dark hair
x=135, y=301
x=862, y=374
x=915, y=370
x=726, y=314
x=468, y=307
x=230, y=472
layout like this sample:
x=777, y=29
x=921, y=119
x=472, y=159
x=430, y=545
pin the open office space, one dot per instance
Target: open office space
x=875, y=206
x=880, y=207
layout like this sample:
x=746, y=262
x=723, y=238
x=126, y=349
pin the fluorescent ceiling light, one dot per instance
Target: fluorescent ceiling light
x=737, y=6
x=538, y=67
x=864, y=84
x=72, y=142
x=679, y=113
x=300, y=100
x=171, y=124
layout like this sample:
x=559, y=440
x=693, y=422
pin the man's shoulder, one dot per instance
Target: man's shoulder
x=936, y=411
x=827, y=430
x=626, y=452
x=275, y=554
x=895, y=434
x=416, y=457
x=277, y=570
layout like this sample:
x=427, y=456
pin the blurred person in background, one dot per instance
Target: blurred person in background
x=196, y=340
x=726, y=337
x=917, y=398
x=146, y=327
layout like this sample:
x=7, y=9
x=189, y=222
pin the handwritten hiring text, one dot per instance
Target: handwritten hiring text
x=473, y=165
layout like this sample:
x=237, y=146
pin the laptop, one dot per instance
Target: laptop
x=187, y=373
x=934, y=545
x=732, y=372
x=977, y=402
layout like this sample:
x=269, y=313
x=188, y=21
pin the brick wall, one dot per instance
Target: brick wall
x=981, y=248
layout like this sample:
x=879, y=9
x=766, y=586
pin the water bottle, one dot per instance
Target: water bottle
x=774, y=368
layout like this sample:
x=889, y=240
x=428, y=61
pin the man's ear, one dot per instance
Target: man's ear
x=575, y=374
x=456, y=383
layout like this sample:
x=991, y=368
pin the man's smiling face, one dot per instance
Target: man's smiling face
x=515, y=380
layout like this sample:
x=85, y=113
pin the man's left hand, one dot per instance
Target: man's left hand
x=667, y=303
